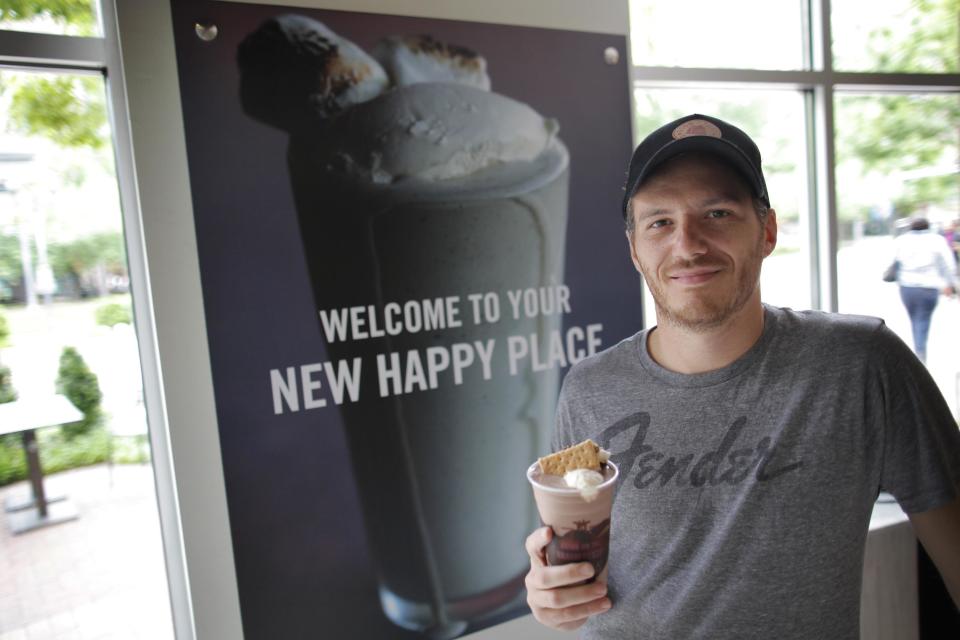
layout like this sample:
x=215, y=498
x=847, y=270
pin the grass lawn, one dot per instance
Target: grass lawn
x=60, y=320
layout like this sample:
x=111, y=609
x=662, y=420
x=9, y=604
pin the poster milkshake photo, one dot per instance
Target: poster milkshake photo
x=405, y=240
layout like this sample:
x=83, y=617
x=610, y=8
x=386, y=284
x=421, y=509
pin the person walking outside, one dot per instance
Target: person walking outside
x=926, y=268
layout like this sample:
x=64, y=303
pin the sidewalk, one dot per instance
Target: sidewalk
x=100, y=577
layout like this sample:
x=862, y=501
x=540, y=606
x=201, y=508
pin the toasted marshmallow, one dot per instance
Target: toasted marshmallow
x=295, y=72
x=414, y=59
x=432, y=132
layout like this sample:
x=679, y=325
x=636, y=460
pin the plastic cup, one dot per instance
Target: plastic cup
x=581, y=527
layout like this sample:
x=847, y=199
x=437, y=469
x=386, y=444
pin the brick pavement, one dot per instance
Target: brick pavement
x=100, y=577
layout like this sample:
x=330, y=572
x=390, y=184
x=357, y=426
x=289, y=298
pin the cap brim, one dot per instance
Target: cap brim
x=705, y=144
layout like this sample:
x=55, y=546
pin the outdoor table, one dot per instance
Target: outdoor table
x=25, y=416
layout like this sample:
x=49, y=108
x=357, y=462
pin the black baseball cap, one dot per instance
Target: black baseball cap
x=696, y=132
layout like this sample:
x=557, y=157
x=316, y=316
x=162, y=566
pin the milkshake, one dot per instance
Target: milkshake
x=575, y=499
x=422, y=186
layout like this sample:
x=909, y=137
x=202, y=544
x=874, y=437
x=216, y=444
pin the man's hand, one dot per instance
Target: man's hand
x=554, y=593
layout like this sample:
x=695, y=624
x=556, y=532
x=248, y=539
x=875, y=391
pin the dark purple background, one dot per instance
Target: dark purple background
x=302, y=566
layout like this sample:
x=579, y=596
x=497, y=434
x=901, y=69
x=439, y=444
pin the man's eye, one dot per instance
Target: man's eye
x=656, y=224
x=718, y=213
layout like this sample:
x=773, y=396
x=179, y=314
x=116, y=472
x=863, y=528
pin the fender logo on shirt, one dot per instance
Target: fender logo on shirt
x=722, y=465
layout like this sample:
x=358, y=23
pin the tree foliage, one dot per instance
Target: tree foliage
x=74, y=261
x=69, y=110
x=925, y=39
x=893, y=133
x=11, y=267
x=76, y=257
x=76, y=13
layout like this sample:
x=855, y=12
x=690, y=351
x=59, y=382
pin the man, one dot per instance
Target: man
x=752, y=441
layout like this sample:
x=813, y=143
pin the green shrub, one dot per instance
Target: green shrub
x=4, y=330
x=112, y=314
x=13, y=464
x=80, y=386
x=7, y=392
x=58, y=452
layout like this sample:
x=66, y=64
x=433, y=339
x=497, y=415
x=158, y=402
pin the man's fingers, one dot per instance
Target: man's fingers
x=536, y=541
x=556, y=595
x=564, y=575
x=562, y=598
x=570, y=618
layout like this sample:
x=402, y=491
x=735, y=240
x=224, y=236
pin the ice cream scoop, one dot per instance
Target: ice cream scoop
x=432, y=131
x=295, y=73
x=414, y=59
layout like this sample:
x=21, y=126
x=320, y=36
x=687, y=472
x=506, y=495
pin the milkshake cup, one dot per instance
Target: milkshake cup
x=384, y=219
x=581, y=526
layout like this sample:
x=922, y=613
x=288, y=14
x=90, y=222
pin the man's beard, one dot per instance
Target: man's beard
x=703, y=313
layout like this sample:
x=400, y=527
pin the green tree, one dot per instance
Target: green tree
x=895, y=133
x=79, y=384
x=77, y=259
x=71, y=13
x=70, y=110
x=926, y=38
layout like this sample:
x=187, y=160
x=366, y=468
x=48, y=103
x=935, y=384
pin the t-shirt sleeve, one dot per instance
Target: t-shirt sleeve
x=921, y=441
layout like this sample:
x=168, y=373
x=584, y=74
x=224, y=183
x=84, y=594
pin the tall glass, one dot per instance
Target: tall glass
x=432, y=467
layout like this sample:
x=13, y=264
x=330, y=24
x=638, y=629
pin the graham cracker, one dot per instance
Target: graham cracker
x=580, y=456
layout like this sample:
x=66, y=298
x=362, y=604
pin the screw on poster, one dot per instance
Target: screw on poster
x=408, y=230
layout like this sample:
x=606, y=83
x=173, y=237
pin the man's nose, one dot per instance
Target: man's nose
x=689, y=240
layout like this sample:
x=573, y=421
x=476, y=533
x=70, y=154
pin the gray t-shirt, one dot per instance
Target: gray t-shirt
x=745, y=493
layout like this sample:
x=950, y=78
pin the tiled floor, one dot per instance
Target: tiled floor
x=98, y=577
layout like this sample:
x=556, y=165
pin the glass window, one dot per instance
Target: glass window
x=693, y=33
x=896, y=163
x=59, y=17
x=896, y=36
x=775, y=120
x=70, y=379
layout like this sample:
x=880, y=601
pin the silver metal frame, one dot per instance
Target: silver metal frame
x=19, y=49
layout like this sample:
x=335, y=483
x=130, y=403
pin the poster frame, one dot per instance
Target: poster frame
x=177, y=375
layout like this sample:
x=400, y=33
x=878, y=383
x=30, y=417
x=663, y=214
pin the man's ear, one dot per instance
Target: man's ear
x=769, y=232
x=633, y=251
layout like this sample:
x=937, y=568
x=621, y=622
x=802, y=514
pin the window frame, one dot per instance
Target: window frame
x=27, y=51
x=818, y=84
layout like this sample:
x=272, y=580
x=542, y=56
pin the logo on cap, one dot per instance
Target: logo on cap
x=696, y=128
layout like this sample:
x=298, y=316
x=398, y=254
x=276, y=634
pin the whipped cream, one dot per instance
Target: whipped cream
x=584, y=480
x=432, y=131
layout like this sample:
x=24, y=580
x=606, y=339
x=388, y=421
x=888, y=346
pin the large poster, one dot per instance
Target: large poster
x=408, y=230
